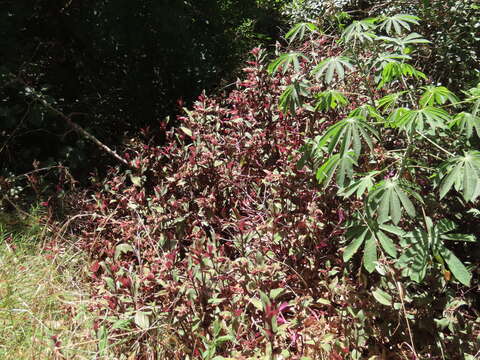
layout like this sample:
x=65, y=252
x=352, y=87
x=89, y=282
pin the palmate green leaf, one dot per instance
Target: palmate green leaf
x=415, y=120
x=297, y=32
x=390, y=199
x=466, y=123
x=362, y=234
x=366, y=111
x=349, y=133
x=284, y=61
x=365, y=183
x=389, y=101
x=394, y=70
x=401, y=43
x=398, y=23
x=331, y=66
x=473, y=97
x=420, y=247
x=359, y=31
x=384, y=58
x=330, y=99
x=461, y=173
x=415, y=255
x=437, y=95
x=341, y=164
x=292, y=97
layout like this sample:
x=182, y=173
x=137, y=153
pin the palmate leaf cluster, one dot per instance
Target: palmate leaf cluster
x=432, y=130
x=421, y=246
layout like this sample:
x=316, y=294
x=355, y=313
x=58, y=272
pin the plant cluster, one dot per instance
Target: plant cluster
x=451, y=26
x=326, y=207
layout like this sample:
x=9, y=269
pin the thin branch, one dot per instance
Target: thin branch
x=86, y=134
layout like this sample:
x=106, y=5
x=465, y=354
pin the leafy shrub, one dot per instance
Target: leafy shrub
x=379, y=156
x=451, y=26
x=305, y=215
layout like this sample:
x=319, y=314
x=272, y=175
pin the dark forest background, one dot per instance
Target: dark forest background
x=116, y=66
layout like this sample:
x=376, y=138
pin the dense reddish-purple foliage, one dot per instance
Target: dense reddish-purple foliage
x=215, y=220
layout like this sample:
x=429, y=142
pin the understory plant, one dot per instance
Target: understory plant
x=402, y=152
x=323, y=210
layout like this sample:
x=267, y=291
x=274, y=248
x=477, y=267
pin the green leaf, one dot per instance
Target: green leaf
x=102, y=340
x=359, y=31
x=292, y=98
x=264, y=298
x=353, y=247
x=394, y=70
x=466, y=123
x=330, y=99
x=122, y=324
x=406, y=203
x=370, y=254
x=297, y=32
x=341, y=164
x=359, y=186
x=415, y=120
x=398, y=23
x=284, y=61
x=348, y=132
x=257, y=303
x=366, y=111
x=389, y=101
x=330, y=66
x=461, y=173
x=459, y=237
x=392, y=229
x=382, y=297
x=437, y=95
x=223, y=339
x=389, y=199
x=456, y=266
x=415, y=255
x=274, y=293
x=187, y=131
x=401, y=44
x=387, y=244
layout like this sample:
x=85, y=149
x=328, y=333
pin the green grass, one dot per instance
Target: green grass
x=41, y=296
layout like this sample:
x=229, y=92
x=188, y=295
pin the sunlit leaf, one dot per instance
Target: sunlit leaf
x=467, y=123
x=297, y=32
x=398, y=23
x=382, y=297
x=461, y=173
x=292, y=97
x=331, y=66
x=415, y=120
x=329, y=100
x=456, y=266
x=359, y=31
x=284, y=61
x=437, y=95
x=390, y=198
x=370, y=253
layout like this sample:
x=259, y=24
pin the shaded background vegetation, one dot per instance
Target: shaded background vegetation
x=121, y=65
